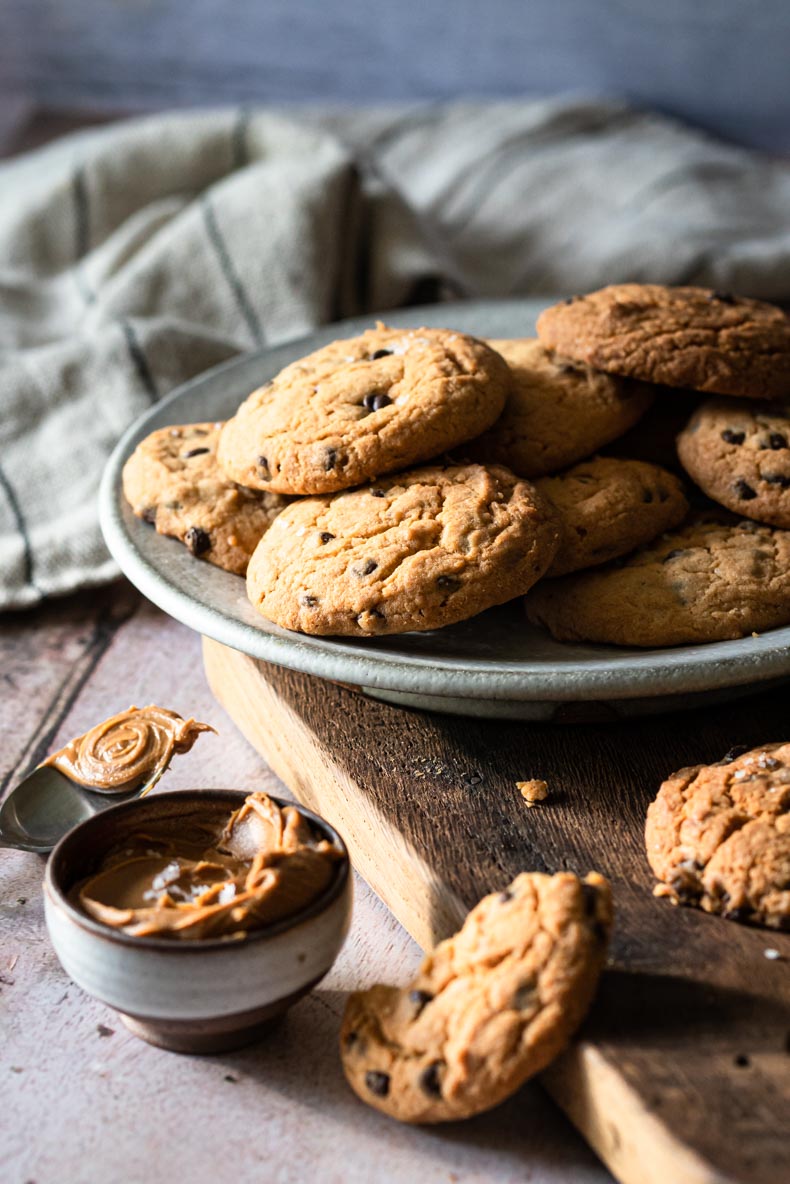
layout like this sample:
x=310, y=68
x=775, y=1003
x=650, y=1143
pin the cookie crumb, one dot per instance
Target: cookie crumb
x=772, y=955
x=533, y=791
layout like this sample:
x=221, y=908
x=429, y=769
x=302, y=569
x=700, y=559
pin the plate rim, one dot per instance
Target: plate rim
x=714, y=665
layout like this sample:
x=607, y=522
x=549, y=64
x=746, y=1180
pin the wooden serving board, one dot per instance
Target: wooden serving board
x=681, y=1074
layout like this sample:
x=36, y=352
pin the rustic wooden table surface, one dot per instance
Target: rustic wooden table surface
x=81, y=1099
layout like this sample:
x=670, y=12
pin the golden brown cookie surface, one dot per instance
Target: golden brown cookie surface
x=173, y=481
x=718, y=836
x=606, y=507
x=489, y=1007
x=708, y=580
x=683, y=337
x=416, y=551
x=362, y=407
x=557, y=412
x=738, y=451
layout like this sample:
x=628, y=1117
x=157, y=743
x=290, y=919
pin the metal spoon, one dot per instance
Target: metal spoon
x=39, y=811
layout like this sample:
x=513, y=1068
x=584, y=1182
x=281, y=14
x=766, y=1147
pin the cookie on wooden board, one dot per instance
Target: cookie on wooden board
x=606, y=507
x=738, y=452
x=358, y=408
x=718, y=836
x=558, y=411
x=684, y=337
x=489, y=1007
x=173, y=481
x=416, y=551
x=710, y=579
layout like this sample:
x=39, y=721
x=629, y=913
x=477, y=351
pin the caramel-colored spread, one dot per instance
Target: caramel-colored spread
x=128, y=750
x=194, y=878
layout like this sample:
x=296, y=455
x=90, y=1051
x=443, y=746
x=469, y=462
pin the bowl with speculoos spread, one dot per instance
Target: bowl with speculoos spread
x=199, y=915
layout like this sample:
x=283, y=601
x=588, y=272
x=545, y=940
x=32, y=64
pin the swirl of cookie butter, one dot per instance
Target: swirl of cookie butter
x=127, y=750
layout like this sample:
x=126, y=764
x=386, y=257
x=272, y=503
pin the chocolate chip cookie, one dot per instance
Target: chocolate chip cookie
x=489, y=1007
x=738, y=451
x=173, y=481
x=711, y=579
x=557, y=412
x=718, y=836
x=606, y=507
x=416, y=551
x=362, y=407
x=684, y=337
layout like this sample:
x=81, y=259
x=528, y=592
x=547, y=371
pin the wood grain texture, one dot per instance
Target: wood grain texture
x=683, y=1071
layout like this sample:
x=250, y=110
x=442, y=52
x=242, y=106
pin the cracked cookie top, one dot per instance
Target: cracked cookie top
x=738, y=452
x=172, y=481
x=415, y=551
x=711, y=579
x=557, y=412
x=718, y=836
x=682, y=337
x=490, y=1006
x=362, y=407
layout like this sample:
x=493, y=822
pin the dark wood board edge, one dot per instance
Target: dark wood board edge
x=383, y=775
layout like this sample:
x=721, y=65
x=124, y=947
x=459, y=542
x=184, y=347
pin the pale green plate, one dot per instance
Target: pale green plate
x=493, y=665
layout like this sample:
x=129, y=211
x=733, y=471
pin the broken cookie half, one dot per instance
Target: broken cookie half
x=490, y=1006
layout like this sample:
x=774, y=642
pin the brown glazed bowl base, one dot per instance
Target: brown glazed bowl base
x=223, y=1034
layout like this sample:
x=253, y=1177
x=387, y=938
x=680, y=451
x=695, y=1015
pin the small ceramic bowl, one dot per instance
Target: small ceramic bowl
x=190, y=996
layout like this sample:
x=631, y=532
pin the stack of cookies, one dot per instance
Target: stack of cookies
x=408, y=479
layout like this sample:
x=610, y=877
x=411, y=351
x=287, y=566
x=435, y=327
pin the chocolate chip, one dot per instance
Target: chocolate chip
x=742, y=1061
x=736, y=751
x=776, y=441
x=194, y=452
x=420, y=999
x=149, y=515
x=570, y=299
x=723, y=297
x=429, y=1080
x=524, y=997
x=376, y=400
x=197, y=540
x=364, y=569
x=450, y=583
x=740, y=914
x=376, y=612
x=377, y=493
x=590, y=897
x=229, y=1077
x=731, y=437
x=330, y=459
x=325, y=536
x=103, y=1030
x=378, y=1083
x=744, y=490
x=264, y=465
x=647, y=496
x=308, y=600
x=780, y=479
x=380, y=353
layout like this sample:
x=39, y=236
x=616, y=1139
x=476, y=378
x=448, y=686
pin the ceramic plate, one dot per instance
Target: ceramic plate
x=493, y=665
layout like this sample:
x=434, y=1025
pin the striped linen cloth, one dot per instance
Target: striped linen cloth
x=133, y=257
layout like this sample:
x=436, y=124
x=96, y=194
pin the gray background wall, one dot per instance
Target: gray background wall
x=723, y=64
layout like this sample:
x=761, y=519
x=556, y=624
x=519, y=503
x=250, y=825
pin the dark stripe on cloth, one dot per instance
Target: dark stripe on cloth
x=139, y=360
x=228, y=270
x=81, y=233
x=239, y=148
x=19, y=522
